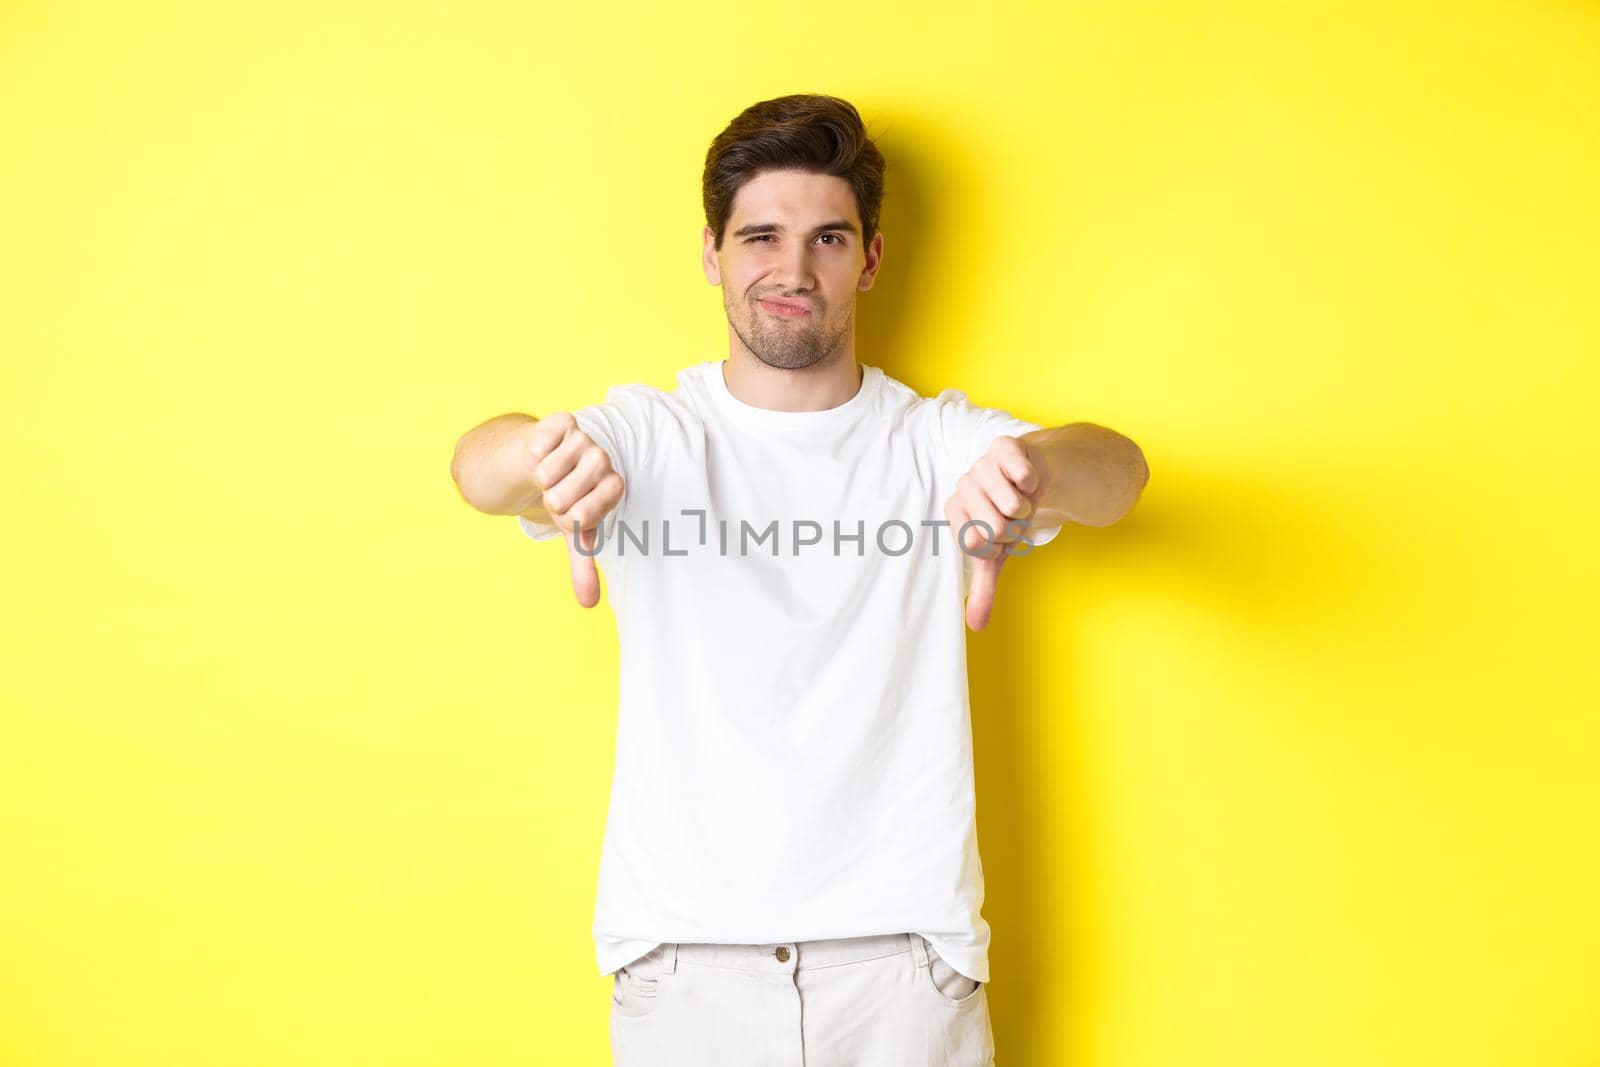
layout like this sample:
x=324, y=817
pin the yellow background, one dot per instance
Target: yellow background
x=304, y=761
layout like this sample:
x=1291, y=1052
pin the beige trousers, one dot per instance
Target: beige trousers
x=888, y=1000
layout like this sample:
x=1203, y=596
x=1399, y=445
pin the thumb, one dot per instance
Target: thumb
x=985, y=576
x=585, y=582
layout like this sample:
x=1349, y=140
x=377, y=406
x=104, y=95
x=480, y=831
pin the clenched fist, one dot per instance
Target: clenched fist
x=579, y=487
x=999, y=491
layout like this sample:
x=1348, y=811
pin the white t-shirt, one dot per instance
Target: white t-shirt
x=794, y=744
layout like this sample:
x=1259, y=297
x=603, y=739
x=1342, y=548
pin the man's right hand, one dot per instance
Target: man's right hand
x=579, y=487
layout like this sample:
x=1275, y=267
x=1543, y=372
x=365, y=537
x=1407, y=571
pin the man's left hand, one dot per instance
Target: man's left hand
x=999, y=491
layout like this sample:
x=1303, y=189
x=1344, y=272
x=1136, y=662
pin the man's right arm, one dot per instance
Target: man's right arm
x=492, y=471
x=549, y=470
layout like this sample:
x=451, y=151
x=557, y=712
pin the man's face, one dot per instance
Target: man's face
x=792, y=236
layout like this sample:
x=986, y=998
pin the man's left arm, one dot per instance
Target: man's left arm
x=1079, y=472
x=1088, y=474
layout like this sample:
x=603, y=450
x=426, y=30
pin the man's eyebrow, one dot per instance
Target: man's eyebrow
x=772, y=227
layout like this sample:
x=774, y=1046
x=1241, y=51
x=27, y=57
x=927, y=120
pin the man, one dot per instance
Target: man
x=790, y=871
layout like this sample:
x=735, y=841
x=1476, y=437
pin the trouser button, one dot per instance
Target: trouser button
x=782, y=952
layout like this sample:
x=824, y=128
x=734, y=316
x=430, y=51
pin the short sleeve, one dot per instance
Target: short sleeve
x=621, y=427
x=968, y=429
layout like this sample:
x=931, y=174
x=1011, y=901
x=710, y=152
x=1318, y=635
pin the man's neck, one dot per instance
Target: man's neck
x=816, y=388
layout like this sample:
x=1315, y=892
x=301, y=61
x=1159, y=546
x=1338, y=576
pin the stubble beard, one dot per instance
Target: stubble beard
x=787, y=344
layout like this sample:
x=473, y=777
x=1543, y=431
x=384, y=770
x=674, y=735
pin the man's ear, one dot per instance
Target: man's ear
x=874, y=258
x=708, y=257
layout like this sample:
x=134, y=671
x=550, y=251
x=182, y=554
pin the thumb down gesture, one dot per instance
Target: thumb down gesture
x=579, y=488
x=989, y=514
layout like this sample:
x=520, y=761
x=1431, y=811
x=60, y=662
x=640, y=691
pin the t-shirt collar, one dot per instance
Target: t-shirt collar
x=793, y=420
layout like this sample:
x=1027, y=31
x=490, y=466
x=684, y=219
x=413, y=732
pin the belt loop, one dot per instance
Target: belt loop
x=669, y=958
x=919, y=949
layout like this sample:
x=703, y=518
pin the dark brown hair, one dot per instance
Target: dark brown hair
x=804, y=131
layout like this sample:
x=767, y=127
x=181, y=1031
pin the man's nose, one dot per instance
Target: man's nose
x=795, y=270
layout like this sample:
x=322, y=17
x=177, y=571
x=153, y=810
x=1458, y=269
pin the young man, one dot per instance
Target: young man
x=790, y=869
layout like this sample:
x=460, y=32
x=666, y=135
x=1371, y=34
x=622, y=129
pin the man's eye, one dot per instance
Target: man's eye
x=764, y=236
